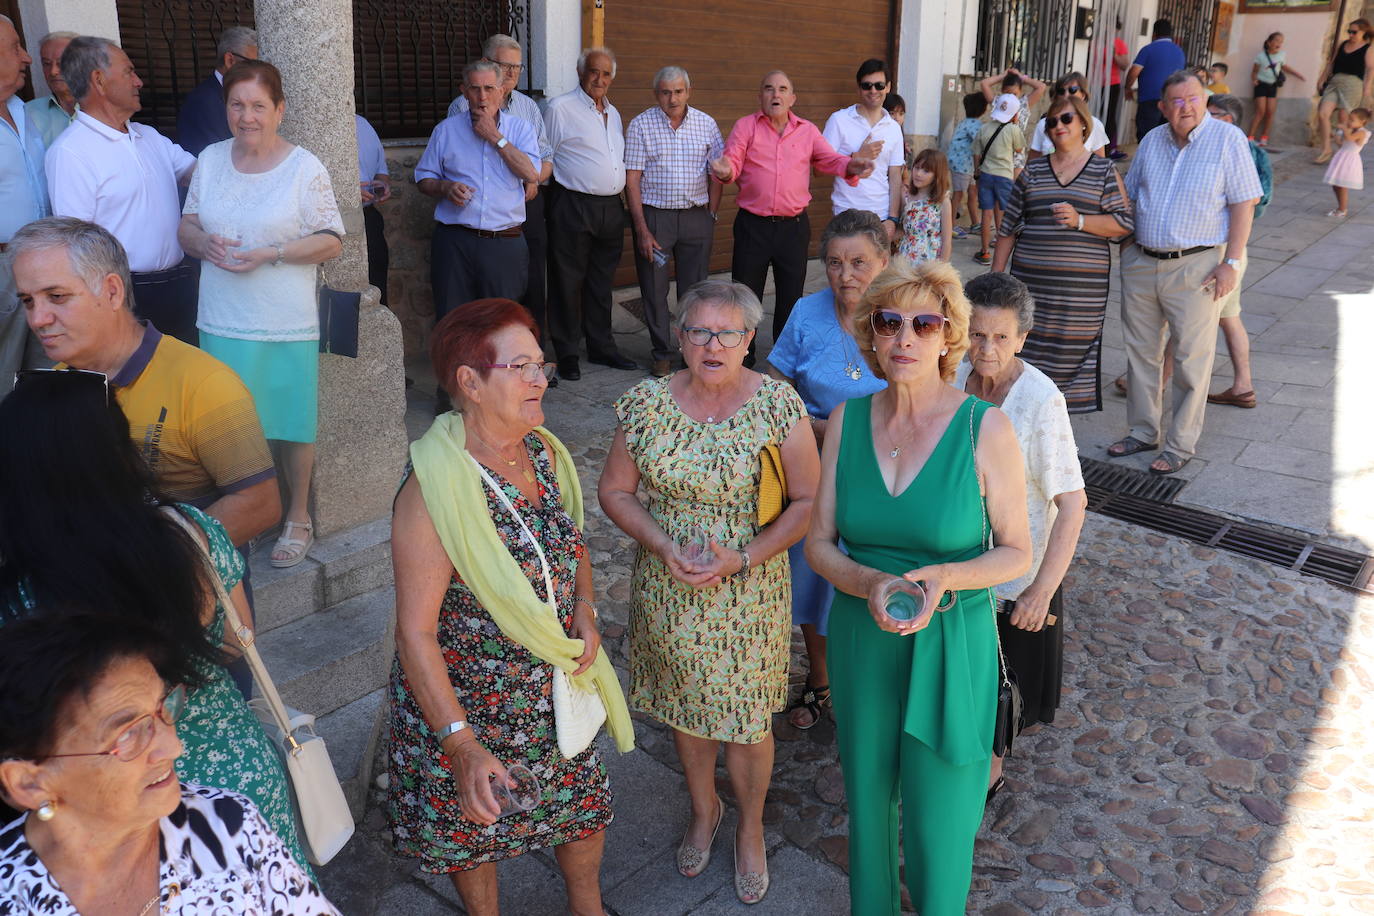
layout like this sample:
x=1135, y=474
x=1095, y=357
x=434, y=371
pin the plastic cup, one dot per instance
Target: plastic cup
x=903, y=601
x=520, y=792
x=660, y=257
x=694, y=546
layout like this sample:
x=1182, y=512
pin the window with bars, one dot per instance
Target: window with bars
x=408, y=55
x=1034, y=36
x=1193, y=22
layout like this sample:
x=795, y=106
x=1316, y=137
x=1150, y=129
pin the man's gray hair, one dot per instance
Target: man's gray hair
x=725, y=293
x=234, y=39
x=56, y=36
x=85, y=55
x=855, y=223
x=671, y=73
x=482, y=66
x=588, y=52
x=997, y=290
x=93, y=252
x=1229, y=104
x=500, y=42
x=1178, y=76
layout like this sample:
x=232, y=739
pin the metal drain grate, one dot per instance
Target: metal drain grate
x=1115, y=478
x=1345, y=568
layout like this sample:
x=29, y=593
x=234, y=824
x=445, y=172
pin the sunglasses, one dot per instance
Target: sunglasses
x=1069, y=90
x=887, y=323
x=76, y=376
x=867, y=87
x=130, y=743
x=1066, y=118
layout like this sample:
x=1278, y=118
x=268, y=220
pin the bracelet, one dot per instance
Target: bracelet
x=743, y=571
x=1080, y=222
x=578, y=599
x=281, y=254
x=450, y=730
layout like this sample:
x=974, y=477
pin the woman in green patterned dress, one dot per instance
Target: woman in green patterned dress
x=709, y=636
x=83, y=527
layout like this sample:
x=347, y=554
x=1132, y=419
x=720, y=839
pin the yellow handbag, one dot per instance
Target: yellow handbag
x=772, y=485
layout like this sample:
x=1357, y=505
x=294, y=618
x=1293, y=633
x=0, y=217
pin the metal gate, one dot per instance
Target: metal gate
x=1034, y=36
x=1193, y=22
x=408, y=55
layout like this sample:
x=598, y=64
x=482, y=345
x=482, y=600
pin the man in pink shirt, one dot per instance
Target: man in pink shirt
x=771, y=154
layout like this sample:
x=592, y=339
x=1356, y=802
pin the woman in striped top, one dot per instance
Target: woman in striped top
x=1054, y=235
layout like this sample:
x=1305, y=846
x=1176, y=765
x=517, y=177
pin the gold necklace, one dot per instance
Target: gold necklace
x=149, y=905
x=512, y=463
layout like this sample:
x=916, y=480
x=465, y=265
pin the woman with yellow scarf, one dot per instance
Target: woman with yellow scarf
x=498, y=657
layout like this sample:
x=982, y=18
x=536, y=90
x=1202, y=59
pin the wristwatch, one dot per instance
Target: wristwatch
x=501, y=144
x=450, y=729
x=1231, y=262
x=743, y=571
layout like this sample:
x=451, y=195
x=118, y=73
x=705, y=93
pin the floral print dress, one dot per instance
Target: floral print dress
x=920, y=237
x=507, y=694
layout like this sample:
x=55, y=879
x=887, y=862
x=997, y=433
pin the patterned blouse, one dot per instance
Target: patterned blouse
x=217, y=856
x=920, y=236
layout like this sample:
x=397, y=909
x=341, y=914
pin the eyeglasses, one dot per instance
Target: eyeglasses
x=1068, y=90
x=1189, y=101
x=887, y=323
x=868, y=87
x=1064, y=118
x=78, y=376
x=508, y=69
x=134, y=740
x=700, y=337
x=239, y=56
x=529, y=372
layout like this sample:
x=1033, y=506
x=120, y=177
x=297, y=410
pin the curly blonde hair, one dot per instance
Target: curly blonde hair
x=909, y=287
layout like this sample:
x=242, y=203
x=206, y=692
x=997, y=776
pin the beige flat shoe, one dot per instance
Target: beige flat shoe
x=750, y=887
x=294, y=548
x=692, y=861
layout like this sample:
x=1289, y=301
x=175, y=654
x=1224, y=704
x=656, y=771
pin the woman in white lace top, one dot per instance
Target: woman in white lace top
x=261, y=214
x=1031, y=619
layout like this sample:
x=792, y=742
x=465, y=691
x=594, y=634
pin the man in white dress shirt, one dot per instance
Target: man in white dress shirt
x=587, y=217
x=850, y=128
x=123, y=176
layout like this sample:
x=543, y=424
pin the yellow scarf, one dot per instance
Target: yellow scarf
x=457, y=505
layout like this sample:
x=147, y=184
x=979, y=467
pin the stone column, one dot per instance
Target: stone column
x=362, y=438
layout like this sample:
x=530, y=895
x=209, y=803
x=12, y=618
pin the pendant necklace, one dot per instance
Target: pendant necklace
x=851, y=364
x=512, y=463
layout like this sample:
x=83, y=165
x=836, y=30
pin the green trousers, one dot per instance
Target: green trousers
x=870, y=676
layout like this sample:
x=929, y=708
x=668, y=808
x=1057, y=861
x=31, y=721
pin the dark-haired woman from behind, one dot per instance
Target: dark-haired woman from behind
x=83, y=526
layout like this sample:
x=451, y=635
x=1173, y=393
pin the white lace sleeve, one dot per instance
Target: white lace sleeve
x=1054, y=456
x=319, y=210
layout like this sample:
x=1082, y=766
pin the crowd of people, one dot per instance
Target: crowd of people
x=902, y=482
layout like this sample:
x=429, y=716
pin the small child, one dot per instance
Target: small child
x=1346, y=171
x=960, y=153
x=999, y=142
x=1218, y=75
x=927, y=217
x=895, y=106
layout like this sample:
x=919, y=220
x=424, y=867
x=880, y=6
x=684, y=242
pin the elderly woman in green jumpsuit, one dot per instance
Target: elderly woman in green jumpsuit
x=915, y=698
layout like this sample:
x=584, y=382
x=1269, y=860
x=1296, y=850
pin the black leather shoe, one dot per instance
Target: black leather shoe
x=615, y=361
x=568, y=368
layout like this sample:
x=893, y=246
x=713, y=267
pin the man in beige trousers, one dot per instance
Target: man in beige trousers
x=1194, y=186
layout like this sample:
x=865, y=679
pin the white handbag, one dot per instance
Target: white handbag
x=577, y=714
x=324, y=822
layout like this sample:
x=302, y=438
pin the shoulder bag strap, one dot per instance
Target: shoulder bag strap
x=550, y=601
x=242, y=633
x=1271, y=62
x=978, y=163
x=987, y=539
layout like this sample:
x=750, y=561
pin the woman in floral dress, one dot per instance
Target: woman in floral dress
x=478, y=636
x=709, y=635
x=139, y=561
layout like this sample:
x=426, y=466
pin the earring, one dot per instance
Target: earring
x=45, y=811
x=944, y=351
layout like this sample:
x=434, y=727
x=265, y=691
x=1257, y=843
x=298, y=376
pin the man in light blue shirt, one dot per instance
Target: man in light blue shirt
x=25, y=194
x=374, y=180
x=53, y=113
x=476, y=165
x=1194, y=186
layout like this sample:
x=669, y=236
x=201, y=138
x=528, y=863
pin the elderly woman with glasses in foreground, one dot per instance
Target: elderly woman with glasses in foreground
x=88, y=750
x=711, y=615
x=920, y=480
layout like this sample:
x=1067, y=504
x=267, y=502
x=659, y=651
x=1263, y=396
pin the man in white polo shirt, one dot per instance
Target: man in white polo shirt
x=123, y=176
x=850, y=128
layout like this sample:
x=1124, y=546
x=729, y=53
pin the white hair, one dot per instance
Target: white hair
x=724, y=293
x=236, y=38
x=482, y=66
x=499, y=42
x=671, y=73
x=93, y=252
x=588, y=52
x=54, y=36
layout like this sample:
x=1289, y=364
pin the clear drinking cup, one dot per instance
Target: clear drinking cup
x=520, y=791
x=695, y=544
x=903, y=601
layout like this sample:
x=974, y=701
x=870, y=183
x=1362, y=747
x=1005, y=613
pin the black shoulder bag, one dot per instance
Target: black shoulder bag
x=1279, y=76
x=978, y=160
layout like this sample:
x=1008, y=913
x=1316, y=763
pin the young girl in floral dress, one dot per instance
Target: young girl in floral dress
x=927, y=218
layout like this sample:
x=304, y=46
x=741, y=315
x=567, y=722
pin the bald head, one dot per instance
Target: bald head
x=776, y=97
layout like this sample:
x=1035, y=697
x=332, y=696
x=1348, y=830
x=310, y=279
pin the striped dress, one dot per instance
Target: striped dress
x=1067, y=271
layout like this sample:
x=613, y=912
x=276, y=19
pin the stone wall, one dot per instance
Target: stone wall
x=409, y=216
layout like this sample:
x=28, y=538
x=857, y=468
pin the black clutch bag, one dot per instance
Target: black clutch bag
x=1008, y=723
x=339, y=321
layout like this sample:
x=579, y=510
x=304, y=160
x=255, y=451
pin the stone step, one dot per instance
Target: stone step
x=351, y=733
x=328, y=659
x=338, y=567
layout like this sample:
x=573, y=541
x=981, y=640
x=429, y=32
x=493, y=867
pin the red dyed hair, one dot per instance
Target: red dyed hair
x=260, y=71
x=463, y=337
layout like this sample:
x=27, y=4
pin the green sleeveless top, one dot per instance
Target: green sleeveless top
x=939, y=518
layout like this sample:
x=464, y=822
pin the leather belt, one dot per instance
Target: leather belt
x=774, y=219
x=1174, y=255
x=514, y=232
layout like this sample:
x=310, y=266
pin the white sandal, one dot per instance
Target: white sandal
x=295, y=548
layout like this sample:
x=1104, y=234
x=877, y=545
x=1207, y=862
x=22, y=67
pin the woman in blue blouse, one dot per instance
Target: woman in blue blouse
x=817, y=353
